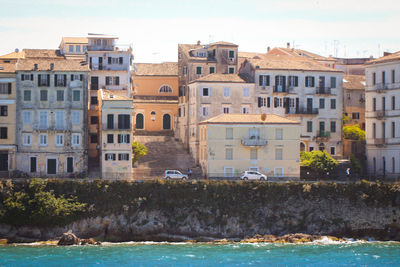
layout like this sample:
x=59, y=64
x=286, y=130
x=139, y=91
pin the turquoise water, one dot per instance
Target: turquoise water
x=138, y=254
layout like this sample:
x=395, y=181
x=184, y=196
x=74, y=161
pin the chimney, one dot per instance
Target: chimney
x=268, y=49
x=35, y=66
x=287, y=45
x=198, y=42
x=16, y=50
x=51, y=66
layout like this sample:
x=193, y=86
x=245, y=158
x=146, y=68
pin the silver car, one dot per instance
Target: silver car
x=174, y=174
x=253, y=175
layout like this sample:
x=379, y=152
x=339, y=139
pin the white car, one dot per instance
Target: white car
x=253, y=175
x=174, y=174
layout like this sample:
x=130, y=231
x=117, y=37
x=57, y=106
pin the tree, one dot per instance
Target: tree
x=346, y=119
x=138, y=150
x=353, y=132
x=318, y=160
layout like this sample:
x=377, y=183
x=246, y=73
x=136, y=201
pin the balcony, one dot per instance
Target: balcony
x=380, y=114
x=105, y=126
x=282, y=89
x=254, y=141
x=379, y=141
x=323, y=136
x=381, y=87
x=323, y=90
x=302, y=111
x=96, y=66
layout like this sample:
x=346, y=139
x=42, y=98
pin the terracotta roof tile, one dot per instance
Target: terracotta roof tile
x=75, y=40
x=223, y=43
x=248, y=119
x=161, y=69
x=354, y=82
x=392, y=57
x=13, y=55
x=42, y=53
x=44, y=65
x=217, y=77
x=7, y=67
x=114, y=95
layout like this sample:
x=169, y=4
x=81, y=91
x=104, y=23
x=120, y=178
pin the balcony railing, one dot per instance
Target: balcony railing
x=254, y=141
x=379, y=141
x=381, y=87
x=380, y=114
x=304, y=111
x=280, y=89
x=323, y=134
x=323, y=90
x=105, y=126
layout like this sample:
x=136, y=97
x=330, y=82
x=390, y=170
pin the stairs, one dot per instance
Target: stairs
x=164, y=153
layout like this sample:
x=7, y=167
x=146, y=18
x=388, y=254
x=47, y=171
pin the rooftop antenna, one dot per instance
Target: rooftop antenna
x=210, y=38
x=379, y=50
x=335, y=47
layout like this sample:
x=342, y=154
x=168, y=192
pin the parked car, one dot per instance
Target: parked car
x=174, y=174
x=253, y=175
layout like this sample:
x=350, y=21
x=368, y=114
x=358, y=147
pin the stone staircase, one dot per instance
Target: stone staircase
x=164, y=153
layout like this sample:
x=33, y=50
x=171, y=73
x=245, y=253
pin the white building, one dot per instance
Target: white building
x=382, y=116
x=304, y=90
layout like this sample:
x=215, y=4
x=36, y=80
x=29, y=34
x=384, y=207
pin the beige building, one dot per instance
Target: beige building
x=7, y=118
x=216, y=94
x=233, y=143
x=51, y=115
x=116, y=134
x=354, y=99
x=74, y=47
x=382, y=116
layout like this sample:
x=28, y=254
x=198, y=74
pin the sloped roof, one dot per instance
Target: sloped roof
x=114, y=95
x=249, y=119
x=298, y=52
x=160, y=69
x=7, y=67
x=392, y=57
x=44, y=65
x=34, y=53
x=354, y=82
x=218, y=77
x=285, y=62
x=223, y=43
x=12, y=55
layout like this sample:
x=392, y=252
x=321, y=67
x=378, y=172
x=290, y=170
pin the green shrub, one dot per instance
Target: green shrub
x=353, y=132
x=318, y=160
x=138, y=150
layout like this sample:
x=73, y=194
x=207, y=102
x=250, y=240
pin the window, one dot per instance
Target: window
x=231, y=70
x=93, y=100
x=309, y=126
x=94, y=120
x=321, y=103
x=184, y=70
x=93, y=138
x=124, y=139
x=322, y=126
x=333, y=103
x=43, y=119
x=254, y=133
x=333, y=126
x=110, y=121
x=393, y=76
x=393, y=102
x=253, y=154
x=310, y=81
x=333, y=82
x=374, y=78
x=43, y=95
x=76, y=117
x=333, y=150
x=279, y=134
x=311, y=148
x=33, y=164
x=76, y=139
x=78, y=48
x=231, y=54
x=4, y=111
x=60, y=95
x=59, y=139
x=264, y=80
x=165, y=89
x=245, y=110
x=229, y=133
x=205, y=92
x=3, y=133
x=262, y=101
x=293, y=81
x=227, y=92
x=374, y=104
x=393, y=129
x=5, y=88
x=60, y=80
x=228, y=153
x=26, y=139
x=226, y=110
x=60, y=119
x=278, y=153
x=228, y=171
x=43, y=140
x=112, y=80
x=212, y=69
x=70, y=164
x=199, y=70
x=110, y=138
x=110, y=156
x=124, y=121
x=205, y=111
x=27, y=95
x=123, y=156
x=70, y=48
x=76, y=95
x=43, y=80
x=26, y=77
x=374, y=130
x=383, y=77
x=246, y=92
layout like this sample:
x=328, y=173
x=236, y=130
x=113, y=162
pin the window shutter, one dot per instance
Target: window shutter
x=312, y=81
x=117, y=80
x=268, y=102
x=284, y=82
x=268, y=80
x=127, y=121
x=109, y=60
x=48, y=79
x=72, y=77
x=121, y=60
x=55, y=79
x=9, y=88
x=296, y=81
x=260, y=80
x=276, y=102
x=259, y=102
x=119, y=156
x=39, y=79
x=107, y=80
x=113, y=156
x=22, y=77
x=128, y=138
x=105, y=157
x=276, y=80
x=119, y=138
x=81, y=77
x=31, y=77
x=65, y=79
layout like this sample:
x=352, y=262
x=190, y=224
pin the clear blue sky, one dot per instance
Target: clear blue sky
x=155, y=27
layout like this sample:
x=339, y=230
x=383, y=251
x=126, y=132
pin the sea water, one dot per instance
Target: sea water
x=186, y=254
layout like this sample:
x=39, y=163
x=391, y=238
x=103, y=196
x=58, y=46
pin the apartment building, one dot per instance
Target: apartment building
x=7, y=118
x=196, y=61
x=116, y=131
x=74, y=47
x=110, y=69
x=303, y=90
x=233, y=143
x=216, y=94
x=155, y=96
x=51, y=116
x=354, y=99
x=382, y=116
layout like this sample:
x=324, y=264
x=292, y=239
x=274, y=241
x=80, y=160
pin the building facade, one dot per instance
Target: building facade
x=354, y=99
x=233, y=143
x=155, y=96
x=74, y=47
x=51, y=118
x=382, y=116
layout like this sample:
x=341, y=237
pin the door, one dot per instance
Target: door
x=166, y=122
x=70, y=164
x=94, y=83
x=33, y=164
x=51, y=166
x=309, y=105
x=4, y=161
x=322, y=82
x=100, y=63
x=139, y=121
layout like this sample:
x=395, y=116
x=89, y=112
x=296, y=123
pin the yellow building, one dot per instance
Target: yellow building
x=7, y=118
x=115, y=134
x=233, y=143
x=155, y=96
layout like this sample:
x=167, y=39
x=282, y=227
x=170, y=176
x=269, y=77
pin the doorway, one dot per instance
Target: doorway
x=139, y=121
x=166, y=122
x=51, y=166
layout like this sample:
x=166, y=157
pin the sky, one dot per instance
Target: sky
x=154, y=28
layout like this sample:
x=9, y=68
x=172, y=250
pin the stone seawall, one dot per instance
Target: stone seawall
x=203, y=211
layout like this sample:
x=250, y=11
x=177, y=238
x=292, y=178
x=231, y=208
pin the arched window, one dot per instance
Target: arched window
x=165, y=89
